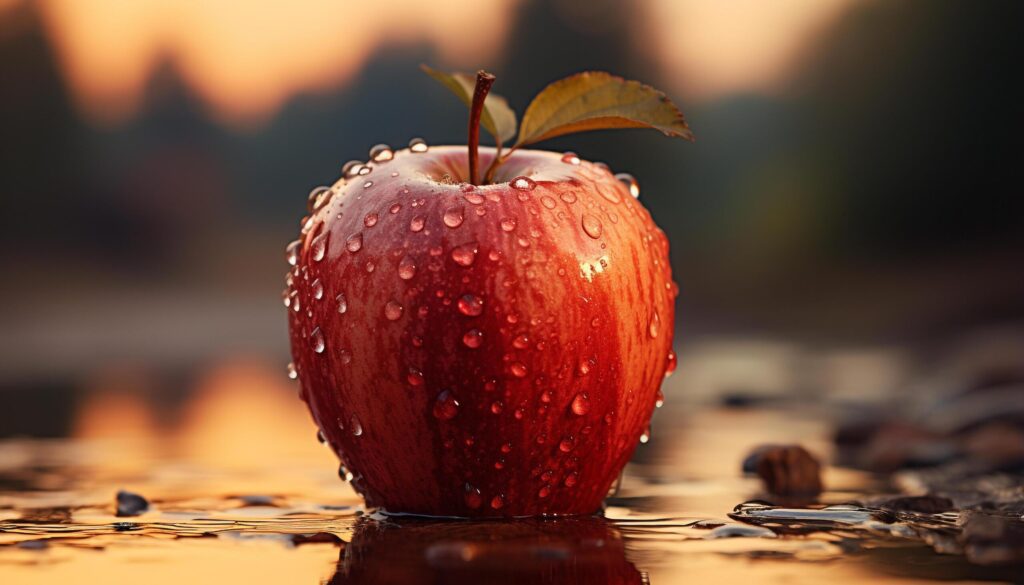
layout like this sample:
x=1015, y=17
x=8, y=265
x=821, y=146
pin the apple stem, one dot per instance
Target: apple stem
x=484, y=81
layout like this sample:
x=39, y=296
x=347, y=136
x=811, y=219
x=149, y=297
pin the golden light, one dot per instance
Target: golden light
x=246, y=59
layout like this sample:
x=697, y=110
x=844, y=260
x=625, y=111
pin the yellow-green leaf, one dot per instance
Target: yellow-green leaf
x=498, y=118
x=595, y=100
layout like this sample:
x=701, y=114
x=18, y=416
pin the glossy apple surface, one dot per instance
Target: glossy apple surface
x=491, y=350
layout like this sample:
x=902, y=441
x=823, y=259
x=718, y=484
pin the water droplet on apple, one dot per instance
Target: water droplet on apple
x=670, y=367
x=291, y=252
x=351, y=168
x=544, y=491
x=407, y=268
x=474, y=198
x=417, y=223
x=414, y=377
x=381, y=153
x=345, y=356
x=318, y=247
x=293, y=374
x=473, y=338
x=418, y=145
x=566, y=444
x=645, y=436
x=497, y=502
x=570, y=158
x=317, y=197
x=659, y=399
x=465, y=254
x=355, y=426
x=393, y=310
x=446, y=406
x=318, y=289
x=518, y=414
x=471, y=305
x=568, y=197
x=523, y=184
x=317, y=339
x=395, y=208
x=453, y=217
x=473, y=497
x=654, y=325
x=342, y=303
x=365, y=170
x=508, y=224
x=497, y=406
x=294, y=300
x=571, y=479
x=370, y=220
x=592, y=225
x=548, y=202
x=630, y=182
x=354, y=243
x=521, y=341
x=518, y=369
x=367, y=184
x=580, y=404
x=345, y=474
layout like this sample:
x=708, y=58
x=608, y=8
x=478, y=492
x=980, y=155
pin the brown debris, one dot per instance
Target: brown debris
x=787, y=470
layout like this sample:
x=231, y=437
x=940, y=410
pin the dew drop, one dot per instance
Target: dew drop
x=654, y=325
x=293, y=374
x=497, y=502
x=342, y=303
x=670, y=367
x=592, y=225
x=645, y=436
x=446, y=406
x=518, y=369
x=566, y=444
x=418, y=145
x=521, y=341
x=659, y=399
x=497, y=406
x=381, y=153
x=473, y=497
x=318, y=289
x=354, y=243
x=414, y=377
x=355, y=426
x=474, y=198
x=571, y=479
x=548, y=202
x=318, y=247
x=570, y=158
x=395, y=208
x=345, y=356
x=370, y=220
x=453, y=217
x=367, y=184
x=473, y=338
x=317, y=339
x=471, y=305
x=393, y=310
x=630, y=182
x=345, y=474
x=417, y=223
x=351, y=168
x=580, y=404
x=568, y=197
x=544, y=492
x=407, y=268
x=523, y=184
x=508, y=224
x=465, y=254
x=291, y=252
x=317, y=197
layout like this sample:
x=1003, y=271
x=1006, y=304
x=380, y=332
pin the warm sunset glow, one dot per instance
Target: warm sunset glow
x=245, y=60
x=716, y=48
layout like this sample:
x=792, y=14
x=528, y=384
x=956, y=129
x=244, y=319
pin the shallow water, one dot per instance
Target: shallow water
x=241, y=491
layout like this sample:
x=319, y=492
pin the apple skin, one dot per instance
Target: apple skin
x=587, y=550
x=481, y=351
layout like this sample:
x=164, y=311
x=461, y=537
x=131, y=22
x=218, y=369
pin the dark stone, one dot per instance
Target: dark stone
x=786, y=469
x=130, y=504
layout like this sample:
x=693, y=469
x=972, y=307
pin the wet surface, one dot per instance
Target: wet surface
x=235, y=487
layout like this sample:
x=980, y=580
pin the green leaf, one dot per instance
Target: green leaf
x=595, y=100
x=498, y=118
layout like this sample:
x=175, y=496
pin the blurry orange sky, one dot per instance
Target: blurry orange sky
x=245, y=63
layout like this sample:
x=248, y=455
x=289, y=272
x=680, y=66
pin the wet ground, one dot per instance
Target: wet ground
x=239, y=490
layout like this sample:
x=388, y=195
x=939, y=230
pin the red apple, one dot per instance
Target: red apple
x=481, y=350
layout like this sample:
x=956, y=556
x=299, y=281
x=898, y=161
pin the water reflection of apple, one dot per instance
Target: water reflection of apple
x=564, y=551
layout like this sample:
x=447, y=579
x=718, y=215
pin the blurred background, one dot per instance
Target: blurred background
x=849, y=221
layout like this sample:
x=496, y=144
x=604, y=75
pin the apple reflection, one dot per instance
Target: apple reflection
x=568, y=550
